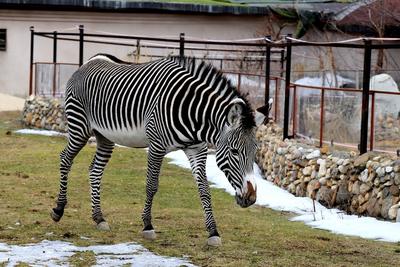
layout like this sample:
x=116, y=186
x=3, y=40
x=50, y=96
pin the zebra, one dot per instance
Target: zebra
x=168, y=104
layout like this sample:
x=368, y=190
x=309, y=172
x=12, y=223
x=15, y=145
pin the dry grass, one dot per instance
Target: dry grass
x=251, y=237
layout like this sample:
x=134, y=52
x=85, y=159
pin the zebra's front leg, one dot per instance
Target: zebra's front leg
x=75, y=144
x=154, y=162
x=198, y=156
x=96, y=169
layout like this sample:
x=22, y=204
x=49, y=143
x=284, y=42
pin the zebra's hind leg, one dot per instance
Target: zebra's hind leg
x=96, y=169
x=197, y=156
x=75, y=143
x=155, y=158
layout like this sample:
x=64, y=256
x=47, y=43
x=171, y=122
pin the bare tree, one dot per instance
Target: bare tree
x=381, y=15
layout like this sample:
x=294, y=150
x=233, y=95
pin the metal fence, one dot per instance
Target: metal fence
x=51, y=78
x=303, y=111
x=327, y=115
x=367, y=44
x=229, y=55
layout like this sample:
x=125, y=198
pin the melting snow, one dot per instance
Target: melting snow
x=276, y=198
x=40, y=132
x=57, y=253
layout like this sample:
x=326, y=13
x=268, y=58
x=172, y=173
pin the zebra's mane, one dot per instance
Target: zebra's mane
x=248, y=121
x=112, y=58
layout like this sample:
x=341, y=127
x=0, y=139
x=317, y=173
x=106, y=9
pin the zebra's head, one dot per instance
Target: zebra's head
x=236, y=150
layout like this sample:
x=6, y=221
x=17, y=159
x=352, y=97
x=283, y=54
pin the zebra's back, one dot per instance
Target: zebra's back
x=118, y=99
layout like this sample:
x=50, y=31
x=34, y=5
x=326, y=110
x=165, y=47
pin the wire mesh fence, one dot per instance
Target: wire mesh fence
x=51, y=78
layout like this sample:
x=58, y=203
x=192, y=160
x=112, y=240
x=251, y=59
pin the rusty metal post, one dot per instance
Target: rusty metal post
x=365, y=97
x=182, y=46
x=287, y=87
x=239, y=81
x=277, y=89
x=137, y=51
x=371, y=134
x=294, y=113
x=54, y=47
x=32, y=29
x=282, y=62
x=54, y=62
x=267, y=69
x=81, y=34
x=265, y=108
x=322, y=118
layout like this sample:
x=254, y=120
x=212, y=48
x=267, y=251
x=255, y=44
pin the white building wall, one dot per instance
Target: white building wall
x=14, y=62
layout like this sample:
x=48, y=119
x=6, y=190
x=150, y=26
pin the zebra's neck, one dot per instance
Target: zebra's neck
x=204, y=100
x=207, y=107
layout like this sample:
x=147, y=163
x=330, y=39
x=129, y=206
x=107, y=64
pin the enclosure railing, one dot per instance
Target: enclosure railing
x=336, y=100
x=44, y=86
x=367, y=44
x=253, y=45
x=266, y=46
x=49, y=80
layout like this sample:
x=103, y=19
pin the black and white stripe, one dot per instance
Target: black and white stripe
x=165, y=105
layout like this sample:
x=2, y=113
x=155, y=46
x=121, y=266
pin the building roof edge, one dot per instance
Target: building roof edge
x=132, y=6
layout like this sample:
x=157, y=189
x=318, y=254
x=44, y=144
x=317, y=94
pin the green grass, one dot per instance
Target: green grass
x=82, y=259
x=254, y=236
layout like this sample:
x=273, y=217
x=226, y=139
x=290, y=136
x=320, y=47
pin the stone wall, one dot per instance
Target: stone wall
x=364, y=185
x=45, y=113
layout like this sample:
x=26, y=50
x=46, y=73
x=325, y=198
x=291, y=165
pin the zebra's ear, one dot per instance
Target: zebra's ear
x=235, y=112
x=259, y=118
x=262, y=113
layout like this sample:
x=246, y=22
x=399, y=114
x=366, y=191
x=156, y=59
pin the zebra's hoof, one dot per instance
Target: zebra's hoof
x=103, y=226
x=149, y=234
x=55, y=216
x=214, y=241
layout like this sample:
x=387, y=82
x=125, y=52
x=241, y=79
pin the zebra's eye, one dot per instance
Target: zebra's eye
x=235, y=151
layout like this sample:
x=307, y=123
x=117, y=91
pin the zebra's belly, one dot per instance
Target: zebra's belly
x=130, y=137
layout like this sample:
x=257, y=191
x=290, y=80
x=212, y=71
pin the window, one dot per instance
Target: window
x=3, y=39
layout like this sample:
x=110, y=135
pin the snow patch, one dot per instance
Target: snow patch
x=56, y=253
x=40, y=132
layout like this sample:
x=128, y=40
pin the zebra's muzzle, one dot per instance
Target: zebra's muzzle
x=247, y=199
